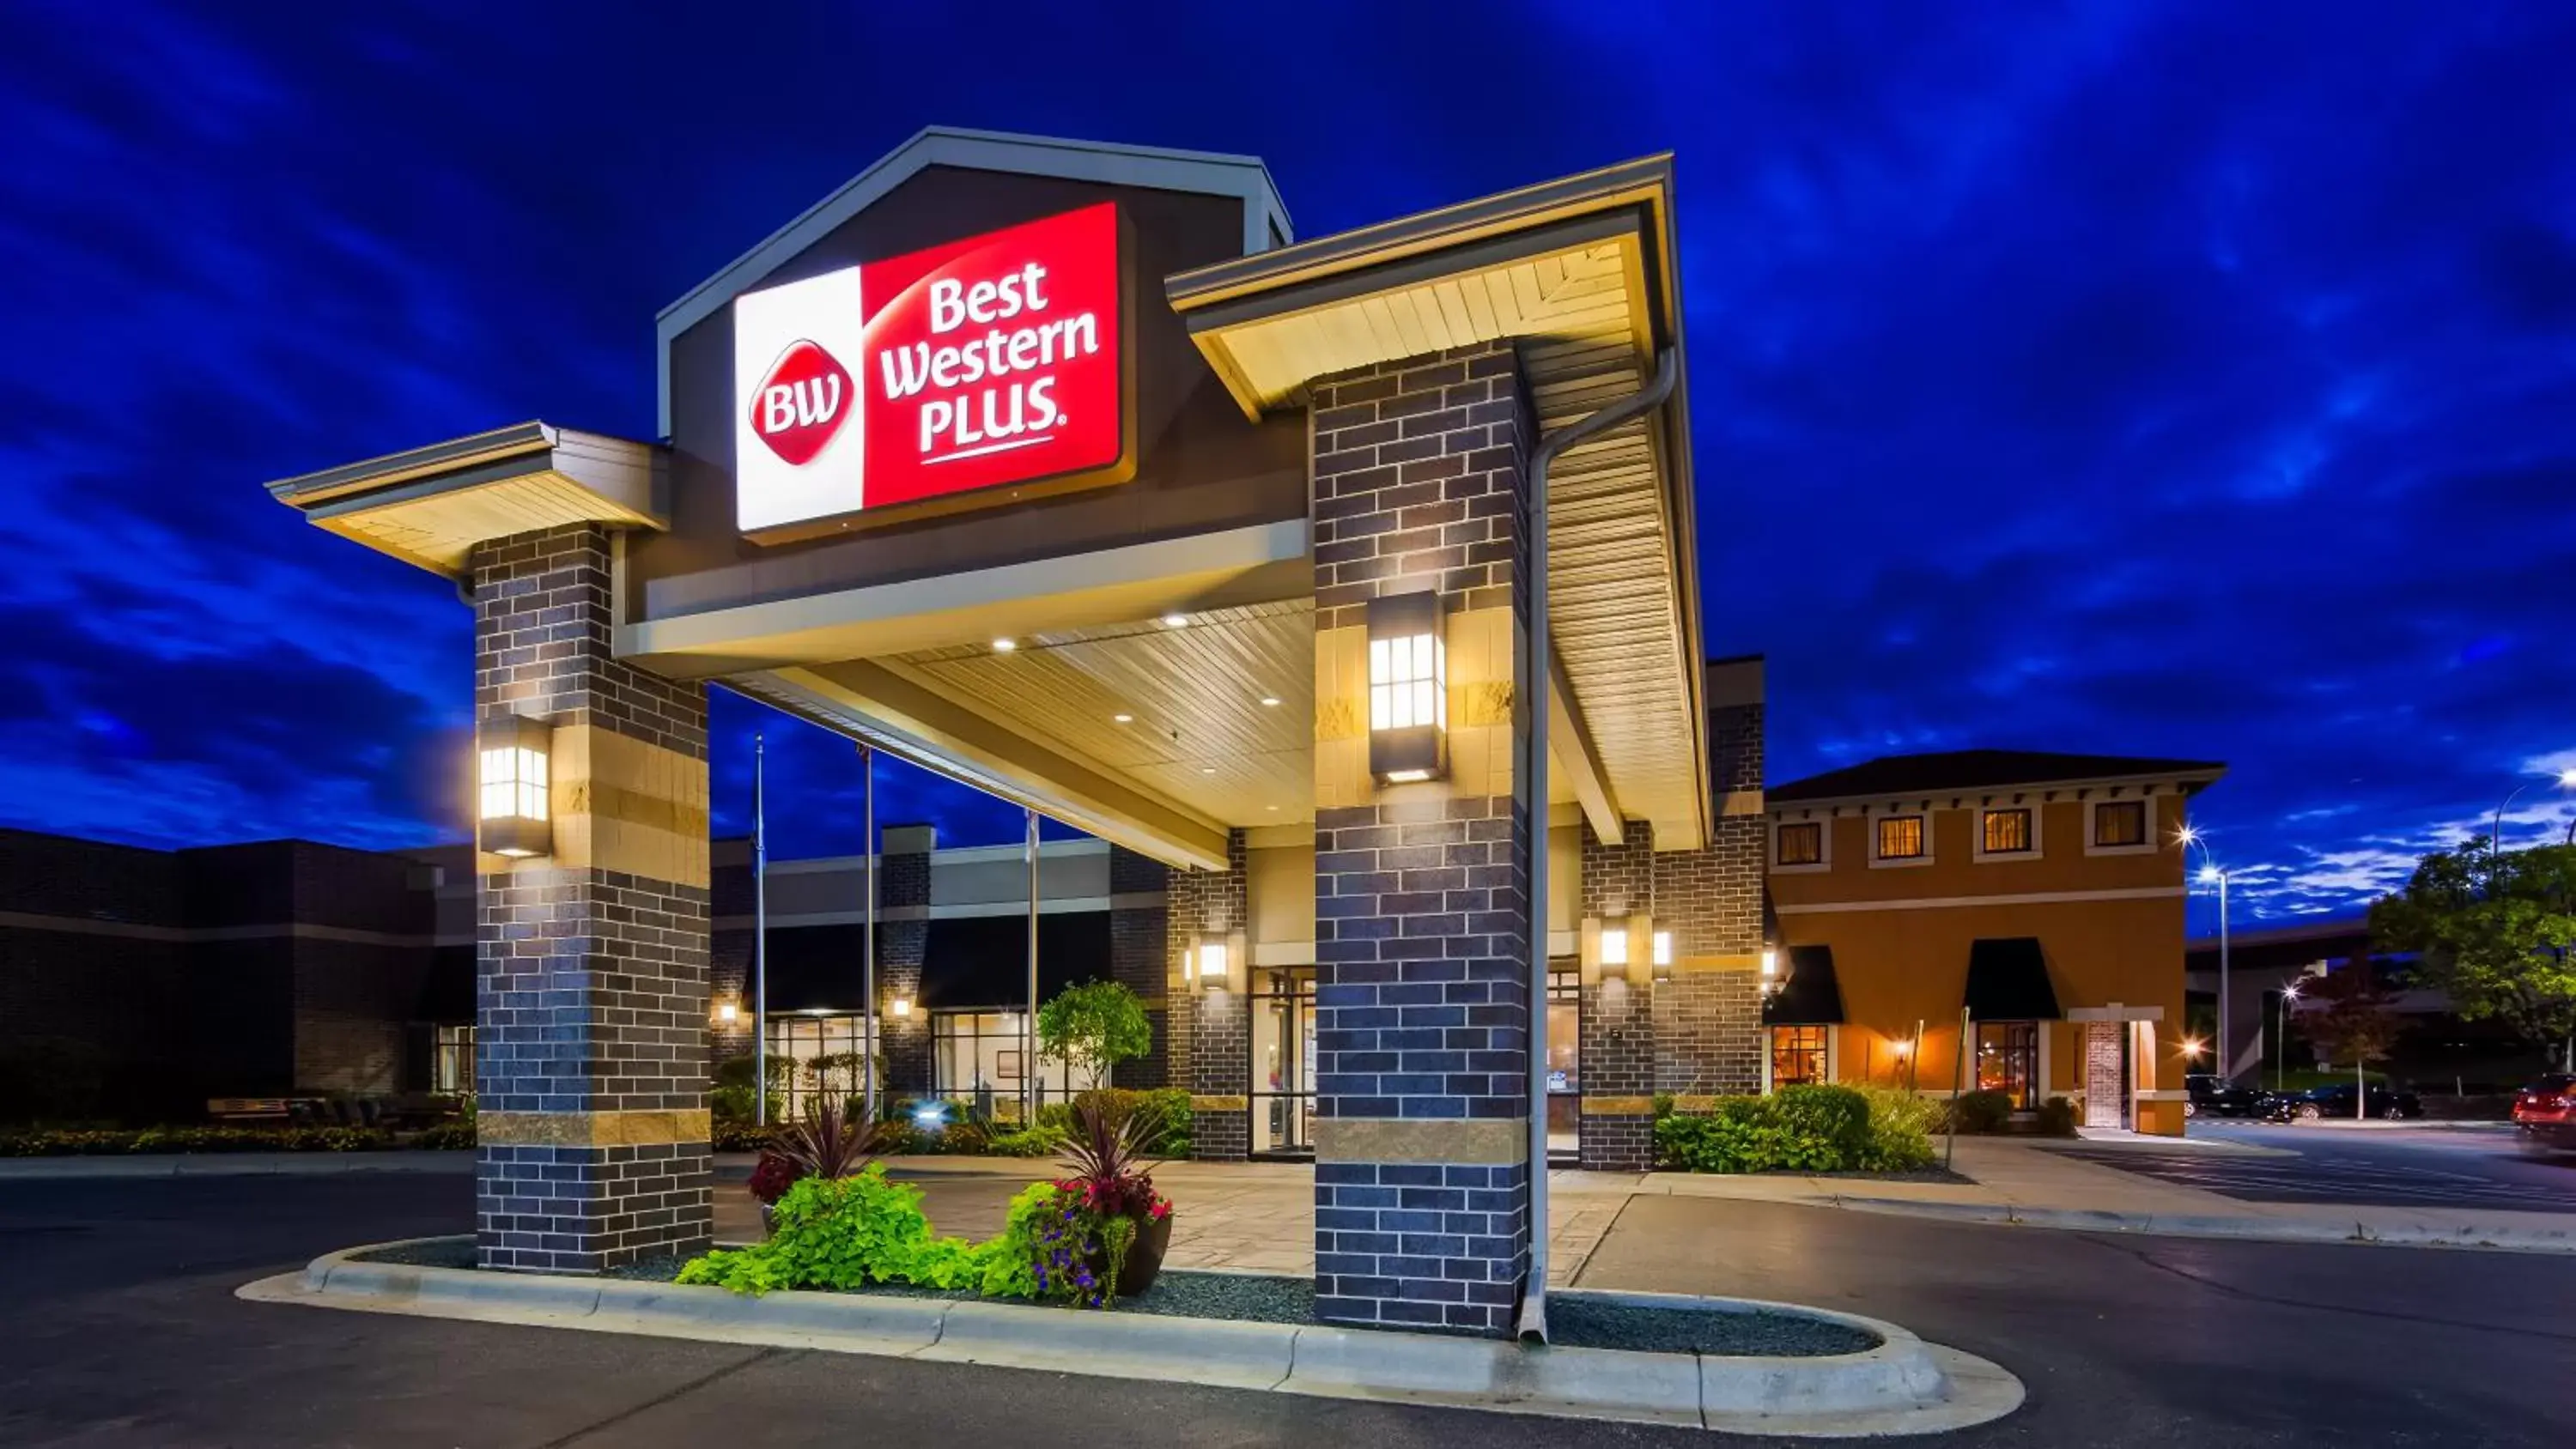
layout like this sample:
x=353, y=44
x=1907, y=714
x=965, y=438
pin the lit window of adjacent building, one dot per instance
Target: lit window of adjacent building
x=2008, y=1060
x=2120, y=822
x=452, y=1065
x=828, y=1057
x=1900, y=837
x=2007, y=832
x=1797, y=1056
x=977, y=1057
x=1801, y=843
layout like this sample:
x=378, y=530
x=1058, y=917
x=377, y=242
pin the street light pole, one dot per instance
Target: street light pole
x=2211, y=873
x=2281, y=1036
x=2495, y=827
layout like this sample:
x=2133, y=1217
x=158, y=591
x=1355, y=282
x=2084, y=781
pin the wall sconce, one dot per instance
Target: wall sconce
x=1663, y=955
x=1614, y=943
x=1408, y=686
x=1213, y=964
x=900, y=1006
x=726, y=1012
x=510, y=815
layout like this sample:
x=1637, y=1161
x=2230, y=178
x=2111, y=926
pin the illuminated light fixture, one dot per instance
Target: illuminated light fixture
x=2191, y=1047
x=1614, y=943
x=1902, y=1047
x=900, y=1006
x=1770, y=964
x=1207, y=769
x=727, y=1011
x=1271, y=808
x=2209, y=875
x=1663, y=948
x=1123, y=717
x=510, y=814
x=1214, y=962
x=1269, y=701
x=1176, y=621
x=1408, y=688
x=1005, y=645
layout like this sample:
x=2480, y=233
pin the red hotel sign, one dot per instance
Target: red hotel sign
x=982, y=364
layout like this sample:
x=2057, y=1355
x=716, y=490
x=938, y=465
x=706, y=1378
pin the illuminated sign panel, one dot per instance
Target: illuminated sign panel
x=998, y=362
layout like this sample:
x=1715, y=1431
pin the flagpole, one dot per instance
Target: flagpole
x=874, y=1048
x=759, y=931
x=1029, y=1027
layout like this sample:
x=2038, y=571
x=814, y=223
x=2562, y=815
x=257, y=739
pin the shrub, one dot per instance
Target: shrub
x=1092, y=1026
x=734, y=1134
x=97, y=1142
x=1900, y=1130
x=1984, y=1111
x=2057, y=1118
x=772, y=1176
x=446, y=1136
x=1039, y=1141
x=1164, y=1110
x=1839, y=1117
x=845, y=1232
x=1800, y=1129
x=1663, y=1104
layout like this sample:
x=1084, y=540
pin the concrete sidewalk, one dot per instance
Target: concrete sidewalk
x=2021, y=1185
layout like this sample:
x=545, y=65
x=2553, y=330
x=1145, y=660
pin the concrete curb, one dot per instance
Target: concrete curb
x=236, y=1164
x=2248, y=1229
x=1902, y=1386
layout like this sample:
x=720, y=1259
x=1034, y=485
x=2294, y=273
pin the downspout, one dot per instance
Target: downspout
x=1539, y=669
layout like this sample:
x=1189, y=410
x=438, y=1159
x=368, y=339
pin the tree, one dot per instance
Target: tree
x=1092, y=1027
x=2354, y=1018
x=2497, y=935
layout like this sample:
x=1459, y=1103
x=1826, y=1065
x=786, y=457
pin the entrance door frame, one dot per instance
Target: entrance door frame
x=1299, y=1086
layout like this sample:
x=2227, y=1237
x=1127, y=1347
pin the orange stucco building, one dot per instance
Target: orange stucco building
x=2040, y=894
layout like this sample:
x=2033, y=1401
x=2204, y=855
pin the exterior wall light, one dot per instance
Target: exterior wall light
x=1614, y=943
x=900, y=1006
x=727, y=1011
x=510, y=814
x=1664, y=952
x=1213, y=964
x=1408, y=687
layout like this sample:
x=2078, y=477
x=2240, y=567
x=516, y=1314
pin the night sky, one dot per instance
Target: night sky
x=2174, y=379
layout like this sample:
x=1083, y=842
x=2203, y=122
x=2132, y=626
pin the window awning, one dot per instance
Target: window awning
x=2008, y=981
x=1810, y=996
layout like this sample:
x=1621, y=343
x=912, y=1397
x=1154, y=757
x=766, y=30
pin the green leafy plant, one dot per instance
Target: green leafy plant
x=1901, y=1125
x=1984, y=1111
x=2496, y=933
x=830, y=1142
x=1093, y=1026
x=843, y=1233
x=1799, y=1129
x=2057, y=1118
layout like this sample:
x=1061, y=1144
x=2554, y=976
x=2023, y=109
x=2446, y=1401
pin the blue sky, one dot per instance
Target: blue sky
x=2158, y=378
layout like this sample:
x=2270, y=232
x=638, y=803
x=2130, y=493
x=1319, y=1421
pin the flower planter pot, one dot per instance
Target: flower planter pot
x=768, y=1219
x=1145, y=1256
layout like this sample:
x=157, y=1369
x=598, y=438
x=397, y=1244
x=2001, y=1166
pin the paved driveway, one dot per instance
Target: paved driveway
x=2473, y=1167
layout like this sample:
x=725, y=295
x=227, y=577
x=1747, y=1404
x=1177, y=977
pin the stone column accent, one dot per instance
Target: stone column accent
x=1139, y=957
x=591, y=963
x=1422, y=890
x=1215, y=1027
x=1617, y=1057
x=903, y=942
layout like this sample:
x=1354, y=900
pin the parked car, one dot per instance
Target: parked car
x=2212, y=1097
x=2544, y=1114
x=2335, y=1102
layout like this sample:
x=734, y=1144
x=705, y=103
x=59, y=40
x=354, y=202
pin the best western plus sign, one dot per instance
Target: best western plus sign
x=995, y=361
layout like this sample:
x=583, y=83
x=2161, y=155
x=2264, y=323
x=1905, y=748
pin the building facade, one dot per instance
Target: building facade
x=2026, y=906
x=1067, y=470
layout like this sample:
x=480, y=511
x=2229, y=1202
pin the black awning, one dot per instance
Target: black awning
x=815, y=968
x=983, y=961
x=2008, y=981
x=1809, y=996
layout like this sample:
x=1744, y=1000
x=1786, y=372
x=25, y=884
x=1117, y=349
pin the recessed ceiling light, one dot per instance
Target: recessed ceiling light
x=1207, y=769
x=1175, y=621
x=1273, y=809
x=1005, y=646
x=1270, y=700
x=1124, y=718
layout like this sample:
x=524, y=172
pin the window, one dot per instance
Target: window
x=451, y=1067
x=2007, y=832
x=1900, y=837
x=978, y=1057
x=1800, y=843
x=1564, y=1031
x=825, y=1057
x=1797, y=1056
x=2120, y=822
x=2008, y=1060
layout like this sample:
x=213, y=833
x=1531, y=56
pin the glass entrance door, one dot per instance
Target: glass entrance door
x=1283, y=1060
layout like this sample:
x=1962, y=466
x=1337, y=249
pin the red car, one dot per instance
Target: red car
x=2546, y=1113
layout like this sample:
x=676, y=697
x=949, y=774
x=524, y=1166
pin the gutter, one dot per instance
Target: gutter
x=1533, y=1318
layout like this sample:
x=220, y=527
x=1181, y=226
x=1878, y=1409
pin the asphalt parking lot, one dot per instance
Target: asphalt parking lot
x=124, y=1331
x=2465, y=1166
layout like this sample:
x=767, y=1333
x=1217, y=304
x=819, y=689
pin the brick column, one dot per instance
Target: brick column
x=903, y=941
x=1140, y=957
x=729, y=959
x=592, y=1011
x=1617, y=1058
x=1213, y=1029
x=1708, y=1017
x=1422, y=890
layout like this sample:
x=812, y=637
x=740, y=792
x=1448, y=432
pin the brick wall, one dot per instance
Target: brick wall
x=1140, y=957
x=1213, y=1037
x=903, y=942
x=593, y=982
